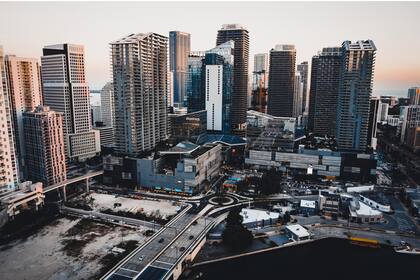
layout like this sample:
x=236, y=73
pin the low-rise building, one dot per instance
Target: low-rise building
x=362, y=213
x=298, y=232
x=308, y=207
x=186, y=168
x=253, y=218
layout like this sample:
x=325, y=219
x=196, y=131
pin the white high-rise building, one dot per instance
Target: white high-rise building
x=24, y=84
x=66, y=91
x=140, y=77
x=8, y=166
x=219, y=63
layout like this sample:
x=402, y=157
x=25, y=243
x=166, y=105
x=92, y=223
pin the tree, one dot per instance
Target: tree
x=286, y=217
x=270, y=182
x=236, y=236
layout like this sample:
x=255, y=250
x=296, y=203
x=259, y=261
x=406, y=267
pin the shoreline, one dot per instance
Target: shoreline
x=381, y=238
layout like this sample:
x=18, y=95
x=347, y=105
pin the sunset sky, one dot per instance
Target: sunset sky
x=394, y=27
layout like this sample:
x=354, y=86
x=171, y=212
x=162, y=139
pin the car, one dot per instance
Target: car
x=161, y=240
x=141, y=257
x=191, y=237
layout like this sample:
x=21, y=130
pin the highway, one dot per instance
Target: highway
x=110, y=218
x=131, y=266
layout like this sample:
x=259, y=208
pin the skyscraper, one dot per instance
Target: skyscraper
x=355, y=90
x=44, y=145
x=303, y=69
x=8, y=167
x=24, y=83
x=298, y=96
x=139, y=65
x=218, y=87
x=414, y=95
x=195, y=80
x=281, y=81
x=240, y=36
x=260, y=83
x=66, y=91
x=411, y=127
x=325, y=80
x=107, y=105
x=179, y=48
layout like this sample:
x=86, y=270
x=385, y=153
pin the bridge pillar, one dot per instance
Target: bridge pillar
x=64, y=193
x=87, y=185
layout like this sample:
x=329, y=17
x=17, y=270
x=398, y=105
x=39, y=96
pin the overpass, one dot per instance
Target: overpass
x=164, y=255
x=63, y=184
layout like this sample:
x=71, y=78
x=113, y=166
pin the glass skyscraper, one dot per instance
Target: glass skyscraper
x=179, y=48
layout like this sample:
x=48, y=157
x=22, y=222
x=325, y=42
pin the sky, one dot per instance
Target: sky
x=394, y=27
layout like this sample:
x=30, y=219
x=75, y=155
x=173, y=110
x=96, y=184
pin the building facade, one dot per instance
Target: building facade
x=24, y=84
x=414, y=95
x=44, y=145
x=218, y=87
x=240, y=36
x=281, y=81
x=139, y=65
x=66, y=91
x=324, y=91
x=194, y=87
x=8, y=165
x=187, y=127
x=260, y=83
x=303, y=70
x=355, y=90
x=179, y=48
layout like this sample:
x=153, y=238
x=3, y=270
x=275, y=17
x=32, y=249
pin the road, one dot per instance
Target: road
x=136, y=262
x=111, y=218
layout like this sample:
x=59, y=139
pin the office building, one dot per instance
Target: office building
x=325, y=79
x=355, y=90
x=239, y=35
x=194, y=88
x=44, y=145
x=8, y=166
x=218, y=87
x=303, y=69
x=66, y=91
x=179, y=48
x=24, y=84
x=281, y=81
x=414, y=95
x=139, y=65
x=260, y=83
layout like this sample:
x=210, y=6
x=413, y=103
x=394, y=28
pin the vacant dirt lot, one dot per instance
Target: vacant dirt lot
x=65, y=249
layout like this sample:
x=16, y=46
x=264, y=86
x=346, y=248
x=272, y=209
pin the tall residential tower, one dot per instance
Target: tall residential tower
x=281, y=82
x=24, y=83
x=8, y=166
x=239, y=35
x=139, y=67
x=354, y=95
x=179, y=48
x=44, y=145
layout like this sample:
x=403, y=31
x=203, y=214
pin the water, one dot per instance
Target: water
x=323, y=259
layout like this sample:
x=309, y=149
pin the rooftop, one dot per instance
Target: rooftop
x=308, y=203
x=298, y=230
x=225, y=139
x=184, y=147
x=254, y=215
